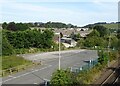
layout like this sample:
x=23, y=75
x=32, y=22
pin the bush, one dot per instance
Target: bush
x=7, y=48
x=61, y=78
x=103, y=57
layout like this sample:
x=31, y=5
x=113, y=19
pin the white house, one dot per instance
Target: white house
x=68, y=42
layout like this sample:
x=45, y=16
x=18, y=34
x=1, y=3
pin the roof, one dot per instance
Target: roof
x=68, y=32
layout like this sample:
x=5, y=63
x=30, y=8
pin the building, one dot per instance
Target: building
x=68, y=42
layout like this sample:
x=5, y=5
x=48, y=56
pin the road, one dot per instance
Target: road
x=36, y=75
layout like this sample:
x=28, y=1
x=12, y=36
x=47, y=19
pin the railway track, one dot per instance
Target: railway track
x=113, y=78
x=117, y=80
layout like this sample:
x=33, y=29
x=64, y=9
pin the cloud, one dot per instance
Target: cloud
x=14, y=10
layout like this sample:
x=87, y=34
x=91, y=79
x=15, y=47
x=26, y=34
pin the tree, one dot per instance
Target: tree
x=47, y=38
x=21, y=26
x=114, y=42
x=94, y=33
x=61, y=78
x=118, y=33
x=74, y=36
x=101, y=29
x=89, y=42
x=80, y=43
x=4, y=25
x=7, y=49
x=118, y=45
x=12, y=26
x=103, y=57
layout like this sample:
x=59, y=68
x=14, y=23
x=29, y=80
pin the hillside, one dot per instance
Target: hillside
x=107, y=25
x=111, y=26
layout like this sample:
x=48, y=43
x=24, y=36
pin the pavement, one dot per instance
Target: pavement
x=41, y=73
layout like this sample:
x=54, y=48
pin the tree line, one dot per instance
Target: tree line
x=26, y=39
x=24, y=26
x=15, y=26
x=52, y=25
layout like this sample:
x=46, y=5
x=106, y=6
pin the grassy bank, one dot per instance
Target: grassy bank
x=13, y=61
x=12, y=64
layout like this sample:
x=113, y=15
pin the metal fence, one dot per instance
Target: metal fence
x=17, y=69
x=88, y=66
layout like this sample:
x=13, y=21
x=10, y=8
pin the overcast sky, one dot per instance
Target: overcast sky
x=77, y=12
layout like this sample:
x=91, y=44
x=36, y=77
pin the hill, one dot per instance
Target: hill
x=107, y=25
x=111, y=25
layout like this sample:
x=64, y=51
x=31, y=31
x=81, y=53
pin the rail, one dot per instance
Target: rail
x=106, y=81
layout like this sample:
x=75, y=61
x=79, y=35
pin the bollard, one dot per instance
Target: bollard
x=71, y=69
x=45, y=83
x=80, y=68
x=10, y=71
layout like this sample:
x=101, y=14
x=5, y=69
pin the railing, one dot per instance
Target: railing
x=88, y=66
x=16, y=69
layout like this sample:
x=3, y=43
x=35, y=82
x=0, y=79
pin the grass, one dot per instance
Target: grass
x=13, y=64
x=87, y=76
x=111, y=26
x=13, y=61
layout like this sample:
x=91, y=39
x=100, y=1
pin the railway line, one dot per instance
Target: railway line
x=113, y=78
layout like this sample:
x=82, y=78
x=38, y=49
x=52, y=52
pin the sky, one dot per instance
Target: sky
x=77, y=12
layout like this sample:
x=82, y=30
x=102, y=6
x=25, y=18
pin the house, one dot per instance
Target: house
x=68, y=42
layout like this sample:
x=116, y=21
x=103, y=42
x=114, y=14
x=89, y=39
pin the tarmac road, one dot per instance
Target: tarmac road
x=37, y=75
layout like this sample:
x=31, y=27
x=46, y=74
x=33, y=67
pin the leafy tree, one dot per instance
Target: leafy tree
x=47, y=34
x=95, y=41
x=80, y=43
x=7, y=49
x=114, y=42
x=30, y=38
x=61, y=78
x=118, y=45
x=15, y=26
x=103, y=57
x=101, y=29
x=21, y=26
x=74, y=36
x=94, y=33
x=12, y=26
x=118, y=33
x=89, y=42
x=4, y=25
x=48, y=25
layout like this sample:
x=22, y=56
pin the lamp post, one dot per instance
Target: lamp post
x=59, y=49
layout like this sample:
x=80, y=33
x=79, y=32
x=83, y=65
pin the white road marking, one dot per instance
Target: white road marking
x=34, y=83
x=10, y=76
x=25, y=74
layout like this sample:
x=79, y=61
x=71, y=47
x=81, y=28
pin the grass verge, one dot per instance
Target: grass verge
x=12, y=64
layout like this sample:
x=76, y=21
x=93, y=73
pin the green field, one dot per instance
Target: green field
x=111, y=26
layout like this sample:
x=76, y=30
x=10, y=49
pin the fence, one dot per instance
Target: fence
x=88, y=66
x=16, y=69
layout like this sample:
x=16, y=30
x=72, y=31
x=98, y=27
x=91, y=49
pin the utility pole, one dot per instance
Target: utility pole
x=109, y=48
